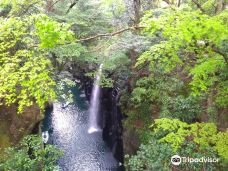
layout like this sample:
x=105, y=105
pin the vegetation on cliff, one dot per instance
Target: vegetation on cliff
x=30, y=155
x=26, y=37
x=171, y=136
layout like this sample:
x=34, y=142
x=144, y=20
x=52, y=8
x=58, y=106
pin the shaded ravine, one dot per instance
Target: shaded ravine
x=68, y=129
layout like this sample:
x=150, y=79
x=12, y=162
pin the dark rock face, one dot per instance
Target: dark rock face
x=112, y=127
x=131, y=141
x=14, y=126
x=111, y=116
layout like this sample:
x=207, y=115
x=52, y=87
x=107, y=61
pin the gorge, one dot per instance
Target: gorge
x=82, y=130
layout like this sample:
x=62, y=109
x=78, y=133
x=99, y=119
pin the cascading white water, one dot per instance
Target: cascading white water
x=94, y=105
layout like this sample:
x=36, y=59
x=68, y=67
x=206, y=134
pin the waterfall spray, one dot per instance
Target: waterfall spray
x=94, y=105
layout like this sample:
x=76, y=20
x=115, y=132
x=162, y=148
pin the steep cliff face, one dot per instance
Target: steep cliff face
x=14, y=126
x=111, y=115
x=131, y=141
x=112, y=127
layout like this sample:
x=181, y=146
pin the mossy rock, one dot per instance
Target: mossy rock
x=4, y=136
x=14, y=126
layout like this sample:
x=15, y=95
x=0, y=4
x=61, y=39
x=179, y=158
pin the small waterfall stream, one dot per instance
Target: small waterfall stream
x=94, y=105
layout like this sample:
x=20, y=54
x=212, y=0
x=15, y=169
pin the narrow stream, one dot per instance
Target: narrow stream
x=68, y=129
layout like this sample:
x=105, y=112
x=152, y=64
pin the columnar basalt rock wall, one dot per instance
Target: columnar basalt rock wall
x=111, y=116
x=112, y=127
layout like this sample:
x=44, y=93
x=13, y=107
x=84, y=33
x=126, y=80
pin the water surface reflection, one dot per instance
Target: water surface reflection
x=68, y=129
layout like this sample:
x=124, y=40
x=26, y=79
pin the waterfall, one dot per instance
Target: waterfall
x=94, y=105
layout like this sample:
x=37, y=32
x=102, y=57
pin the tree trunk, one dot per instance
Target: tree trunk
x=137, y=6
x=220, y=6
x=49, y=6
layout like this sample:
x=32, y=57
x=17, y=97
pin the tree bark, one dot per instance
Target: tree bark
x=71, y=6
x=198, y=5
x=220, y=6
x=110, y=34
x=137, y=6
x=49, y=6
x=178, y=3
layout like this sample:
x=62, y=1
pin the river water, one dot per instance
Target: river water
x=68, y=129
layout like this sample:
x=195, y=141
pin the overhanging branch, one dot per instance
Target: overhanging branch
x=198, y=5
x=71, y=6
x=54, y=3
x=167, y=1
x=217, y=50
x=110, y=34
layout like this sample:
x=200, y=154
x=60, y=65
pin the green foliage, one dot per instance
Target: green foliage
x=221, y=144
x=51, y=32
x=191, y=149
x=192, y=41
x=171, y=131
x=104, y=80
x=205, y=135
x=169, y=94
x=89, y=18
x=30, y=156
x=184, y=69
x=171, y=136
x=20, y=8
x=152, y=156
x=63, y=89
x=186, y=109
x=204, y=75
x=68, y=52
x=117, y=6
x=26, y=72
x=116, y=60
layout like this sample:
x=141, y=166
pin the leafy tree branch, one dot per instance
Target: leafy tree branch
x=110, y=34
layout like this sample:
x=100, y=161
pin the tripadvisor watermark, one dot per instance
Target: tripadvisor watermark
x=177, y=160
